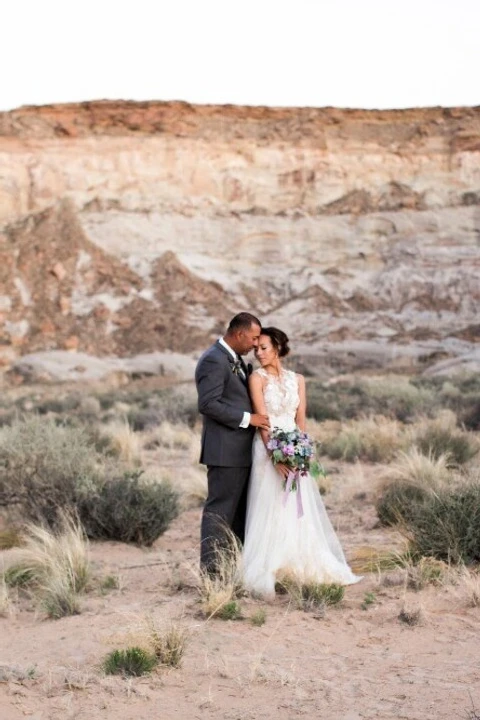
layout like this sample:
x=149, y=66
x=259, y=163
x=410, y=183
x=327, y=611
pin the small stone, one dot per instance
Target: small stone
x=59, y=271
x=71, y=343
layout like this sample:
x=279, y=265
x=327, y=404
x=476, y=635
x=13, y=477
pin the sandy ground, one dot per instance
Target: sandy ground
x=351, y=663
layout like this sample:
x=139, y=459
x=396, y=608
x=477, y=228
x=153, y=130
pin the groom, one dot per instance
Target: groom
x=228, y=429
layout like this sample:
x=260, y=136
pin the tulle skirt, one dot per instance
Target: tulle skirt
x=277, y=541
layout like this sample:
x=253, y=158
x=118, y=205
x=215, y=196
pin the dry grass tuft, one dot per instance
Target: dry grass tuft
x=412, y=613
x=173, y=436
x=468, y=583
x=371, y=560
x=54, y=566
x=426, y=470
x=308, y=594
x=10, y=538
x=193, y=486
x=219, y=592
x=124, y=442
x=168, y=645
x=5, y=600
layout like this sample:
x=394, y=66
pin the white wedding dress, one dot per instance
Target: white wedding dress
x=276, y=539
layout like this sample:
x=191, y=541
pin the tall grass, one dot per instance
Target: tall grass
x=54, y=566
x=219, y=590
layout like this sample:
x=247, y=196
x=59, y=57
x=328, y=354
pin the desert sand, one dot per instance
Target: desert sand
x=349, y=662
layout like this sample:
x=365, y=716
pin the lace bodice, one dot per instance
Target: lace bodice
x=281, y=397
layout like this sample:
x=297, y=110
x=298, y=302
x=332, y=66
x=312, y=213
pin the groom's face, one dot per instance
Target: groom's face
x=247, y=339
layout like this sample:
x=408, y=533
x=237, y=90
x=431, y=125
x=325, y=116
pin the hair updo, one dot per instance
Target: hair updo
x=278, y=338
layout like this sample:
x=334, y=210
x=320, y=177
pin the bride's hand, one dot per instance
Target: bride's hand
x=283, y=470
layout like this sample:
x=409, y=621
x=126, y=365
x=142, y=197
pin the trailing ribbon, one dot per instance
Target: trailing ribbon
x=294, y=477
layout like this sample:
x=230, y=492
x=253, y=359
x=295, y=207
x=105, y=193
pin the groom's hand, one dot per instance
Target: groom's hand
x=260, y=421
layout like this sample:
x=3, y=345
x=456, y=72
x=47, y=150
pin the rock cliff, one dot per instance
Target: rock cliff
x=131, y=228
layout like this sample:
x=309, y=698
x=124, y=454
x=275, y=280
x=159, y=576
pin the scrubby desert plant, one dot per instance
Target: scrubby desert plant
x=124, y=442
x=409, y=480
x=446, y=524
x=167, y=644
x=178, y=436
x=441, y=436
x=133, y=662
x=398, y=500
x=375, y=439
x=309, y=594
x=259, y=617
x=128, y=508
x=54, y=566
x=42, y=466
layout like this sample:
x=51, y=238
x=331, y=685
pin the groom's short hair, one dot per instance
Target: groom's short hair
x=243, y=321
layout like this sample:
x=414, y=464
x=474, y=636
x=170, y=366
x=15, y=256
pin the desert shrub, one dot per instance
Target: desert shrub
x=322, y=593
x=446, y=525
x=128, y=508
x=132, y=661
x=397, y=501
x=395, y=397
x=375, y=439
x=309, y=594
x=440, y=436
x=42, y=466
x=57, y=405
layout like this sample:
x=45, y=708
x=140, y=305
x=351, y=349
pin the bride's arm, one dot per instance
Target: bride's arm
x=255, y=385
x=300, y=417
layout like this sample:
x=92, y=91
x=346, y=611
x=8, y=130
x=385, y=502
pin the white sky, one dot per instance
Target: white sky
x=346, y=53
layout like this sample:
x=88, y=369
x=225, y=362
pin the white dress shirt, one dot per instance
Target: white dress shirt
x=246, y=415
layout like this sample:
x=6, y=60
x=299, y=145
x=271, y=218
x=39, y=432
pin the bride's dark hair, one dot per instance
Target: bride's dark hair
x=279, y=340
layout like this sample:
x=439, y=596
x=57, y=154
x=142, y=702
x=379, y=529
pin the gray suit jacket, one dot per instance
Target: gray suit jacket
x=222, y=399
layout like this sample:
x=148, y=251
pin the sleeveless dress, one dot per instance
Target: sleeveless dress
x=276, y=539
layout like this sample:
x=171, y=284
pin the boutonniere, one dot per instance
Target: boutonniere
x=237, y=367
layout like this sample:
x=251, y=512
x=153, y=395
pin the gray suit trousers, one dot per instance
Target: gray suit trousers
x=225, y=507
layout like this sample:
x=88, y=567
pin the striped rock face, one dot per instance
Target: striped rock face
x=133, y=228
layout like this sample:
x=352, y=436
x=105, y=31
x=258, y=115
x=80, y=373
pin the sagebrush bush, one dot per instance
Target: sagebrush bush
x=398, y=500
x=410, y=479
x=128, y=508
x=42, y=467
x=446, y=524
x=441, y=436
x=393, y=396
x=376, y=439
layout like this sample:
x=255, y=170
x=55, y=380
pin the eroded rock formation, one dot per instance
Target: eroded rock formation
x=135, y=227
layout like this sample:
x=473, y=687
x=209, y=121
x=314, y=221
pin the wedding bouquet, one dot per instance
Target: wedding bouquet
x=293, y=448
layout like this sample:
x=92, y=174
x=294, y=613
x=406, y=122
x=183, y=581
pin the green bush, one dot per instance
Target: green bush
x=130, y=662
x=397, y=502
x=42, y=467
x=446, y=525
x=128, y=508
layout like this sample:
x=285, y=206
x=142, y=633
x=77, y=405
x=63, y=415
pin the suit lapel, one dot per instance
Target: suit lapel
x=232, y=362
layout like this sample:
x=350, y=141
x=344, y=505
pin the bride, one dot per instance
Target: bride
x=276, y=538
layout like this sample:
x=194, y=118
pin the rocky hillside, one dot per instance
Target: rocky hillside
x=131, y=228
